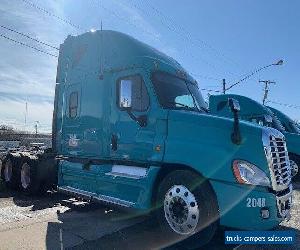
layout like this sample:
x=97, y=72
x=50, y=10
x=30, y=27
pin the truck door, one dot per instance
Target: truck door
x=71, y=120
x=75, y=172
x=138, y=127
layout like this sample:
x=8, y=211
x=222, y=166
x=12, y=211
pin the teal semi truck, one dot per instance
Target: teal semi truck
x=266, y=116
x=130, y=128
x=292, y=134
x=289, y=125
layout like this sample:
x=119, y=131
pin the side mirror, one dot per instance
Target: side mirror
x=125, y=102
x=125, y=94
x=234, y=105
x=236, y=136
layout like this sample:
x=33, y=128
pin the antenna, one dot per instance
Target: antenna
x=101, y=76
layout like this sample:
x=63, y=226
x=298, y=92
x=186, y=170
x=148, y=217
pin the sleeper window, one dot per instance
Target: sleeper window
x=73, y=104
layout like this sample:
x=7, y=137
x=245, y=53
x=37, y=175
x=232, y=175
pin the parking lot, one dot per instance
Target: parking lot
x=55, y=221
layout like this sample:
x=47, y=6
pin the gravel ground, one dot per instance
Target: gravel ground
x=59, y=222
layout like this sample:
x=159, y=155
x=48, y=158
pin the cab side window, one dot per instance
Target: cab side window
x=73, y=105
x=132, y=93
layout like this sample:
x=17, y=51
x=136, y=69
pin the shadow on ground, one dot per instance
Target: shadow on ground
x=145, y=236
x=38, y=202
x=88, y=223
x=140, y=236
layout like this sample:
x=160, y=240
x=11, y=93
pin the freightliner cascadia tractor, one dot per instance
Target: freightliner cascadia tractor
x=131, y=128
x=292, y=133
x=253, y=111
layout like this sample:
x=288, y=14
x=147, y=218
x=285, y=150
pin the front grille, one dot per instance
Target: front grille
x=280, y=170
x=280, y=164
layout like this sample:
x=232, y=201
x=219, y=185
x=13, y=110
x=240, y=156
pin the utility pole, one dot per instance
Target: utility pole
x=224, y=86
x=26, y=112
x=36, y=127
x=266, y=89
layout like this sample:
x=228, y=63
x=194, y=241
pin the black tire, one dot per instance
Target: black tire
x=11, y=182
x=1, y=169
x=207, y=218
x=32, y=186
x=296, y=159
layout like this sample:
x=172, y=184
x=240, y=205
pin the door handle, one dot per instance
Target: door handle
x=114, y=142
x=87, y=166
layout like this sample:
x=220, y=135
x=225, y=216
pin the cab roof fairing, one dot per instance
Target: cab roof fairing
x=107, y=51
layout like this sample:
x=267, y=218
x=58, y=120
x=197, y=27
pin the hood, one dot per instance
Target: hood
x=206, y=140
x=213, y=121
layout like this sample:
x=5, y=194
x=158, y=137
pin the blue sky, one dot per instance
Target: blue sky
x=212, y=39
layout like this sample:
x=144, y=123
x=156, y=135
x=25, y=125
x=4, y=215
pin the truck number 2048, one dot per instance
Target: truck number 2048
x=256, y=202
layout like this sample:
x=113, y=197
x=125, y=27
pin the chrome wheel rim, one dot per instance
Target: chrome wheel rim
x=181, y=210
x=25, y=175
x=8, y=171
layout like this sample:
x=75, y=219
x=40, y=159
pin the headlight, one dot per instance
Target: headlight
x=247, y=173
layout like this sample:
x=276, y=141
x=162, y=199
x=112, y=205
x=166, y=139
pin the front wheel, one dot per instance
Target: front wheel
x=187, y=208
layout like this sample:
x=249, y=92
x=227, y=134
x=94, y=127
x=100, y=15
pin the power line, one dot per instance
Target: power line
x=280, y=62
x=52, y=14
x=184, y=50
x=188, y=37
x=172, y=29
x=119, y=16
x=152, y=34
x=25, y=35
x=284, y=104
x=183, y=32
x=113, y=13
x=211, y=90
x=26, y=45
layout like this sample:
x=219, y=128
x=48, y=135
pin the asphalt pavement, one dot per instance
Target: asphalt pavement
x=55, y=221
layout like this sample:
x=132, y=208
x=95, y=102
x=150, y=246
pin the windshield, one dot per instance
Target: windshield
x=287, y=123
x=261, y=120
x=177, y=93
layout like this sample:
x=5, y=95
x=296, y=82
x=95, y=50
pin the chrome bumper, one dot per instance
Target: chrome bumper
x=284, y=204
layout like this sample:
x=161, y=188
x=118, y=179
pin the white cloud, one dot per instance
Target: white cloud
x=13, y=113
x=25, y=74
x=28, y=75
